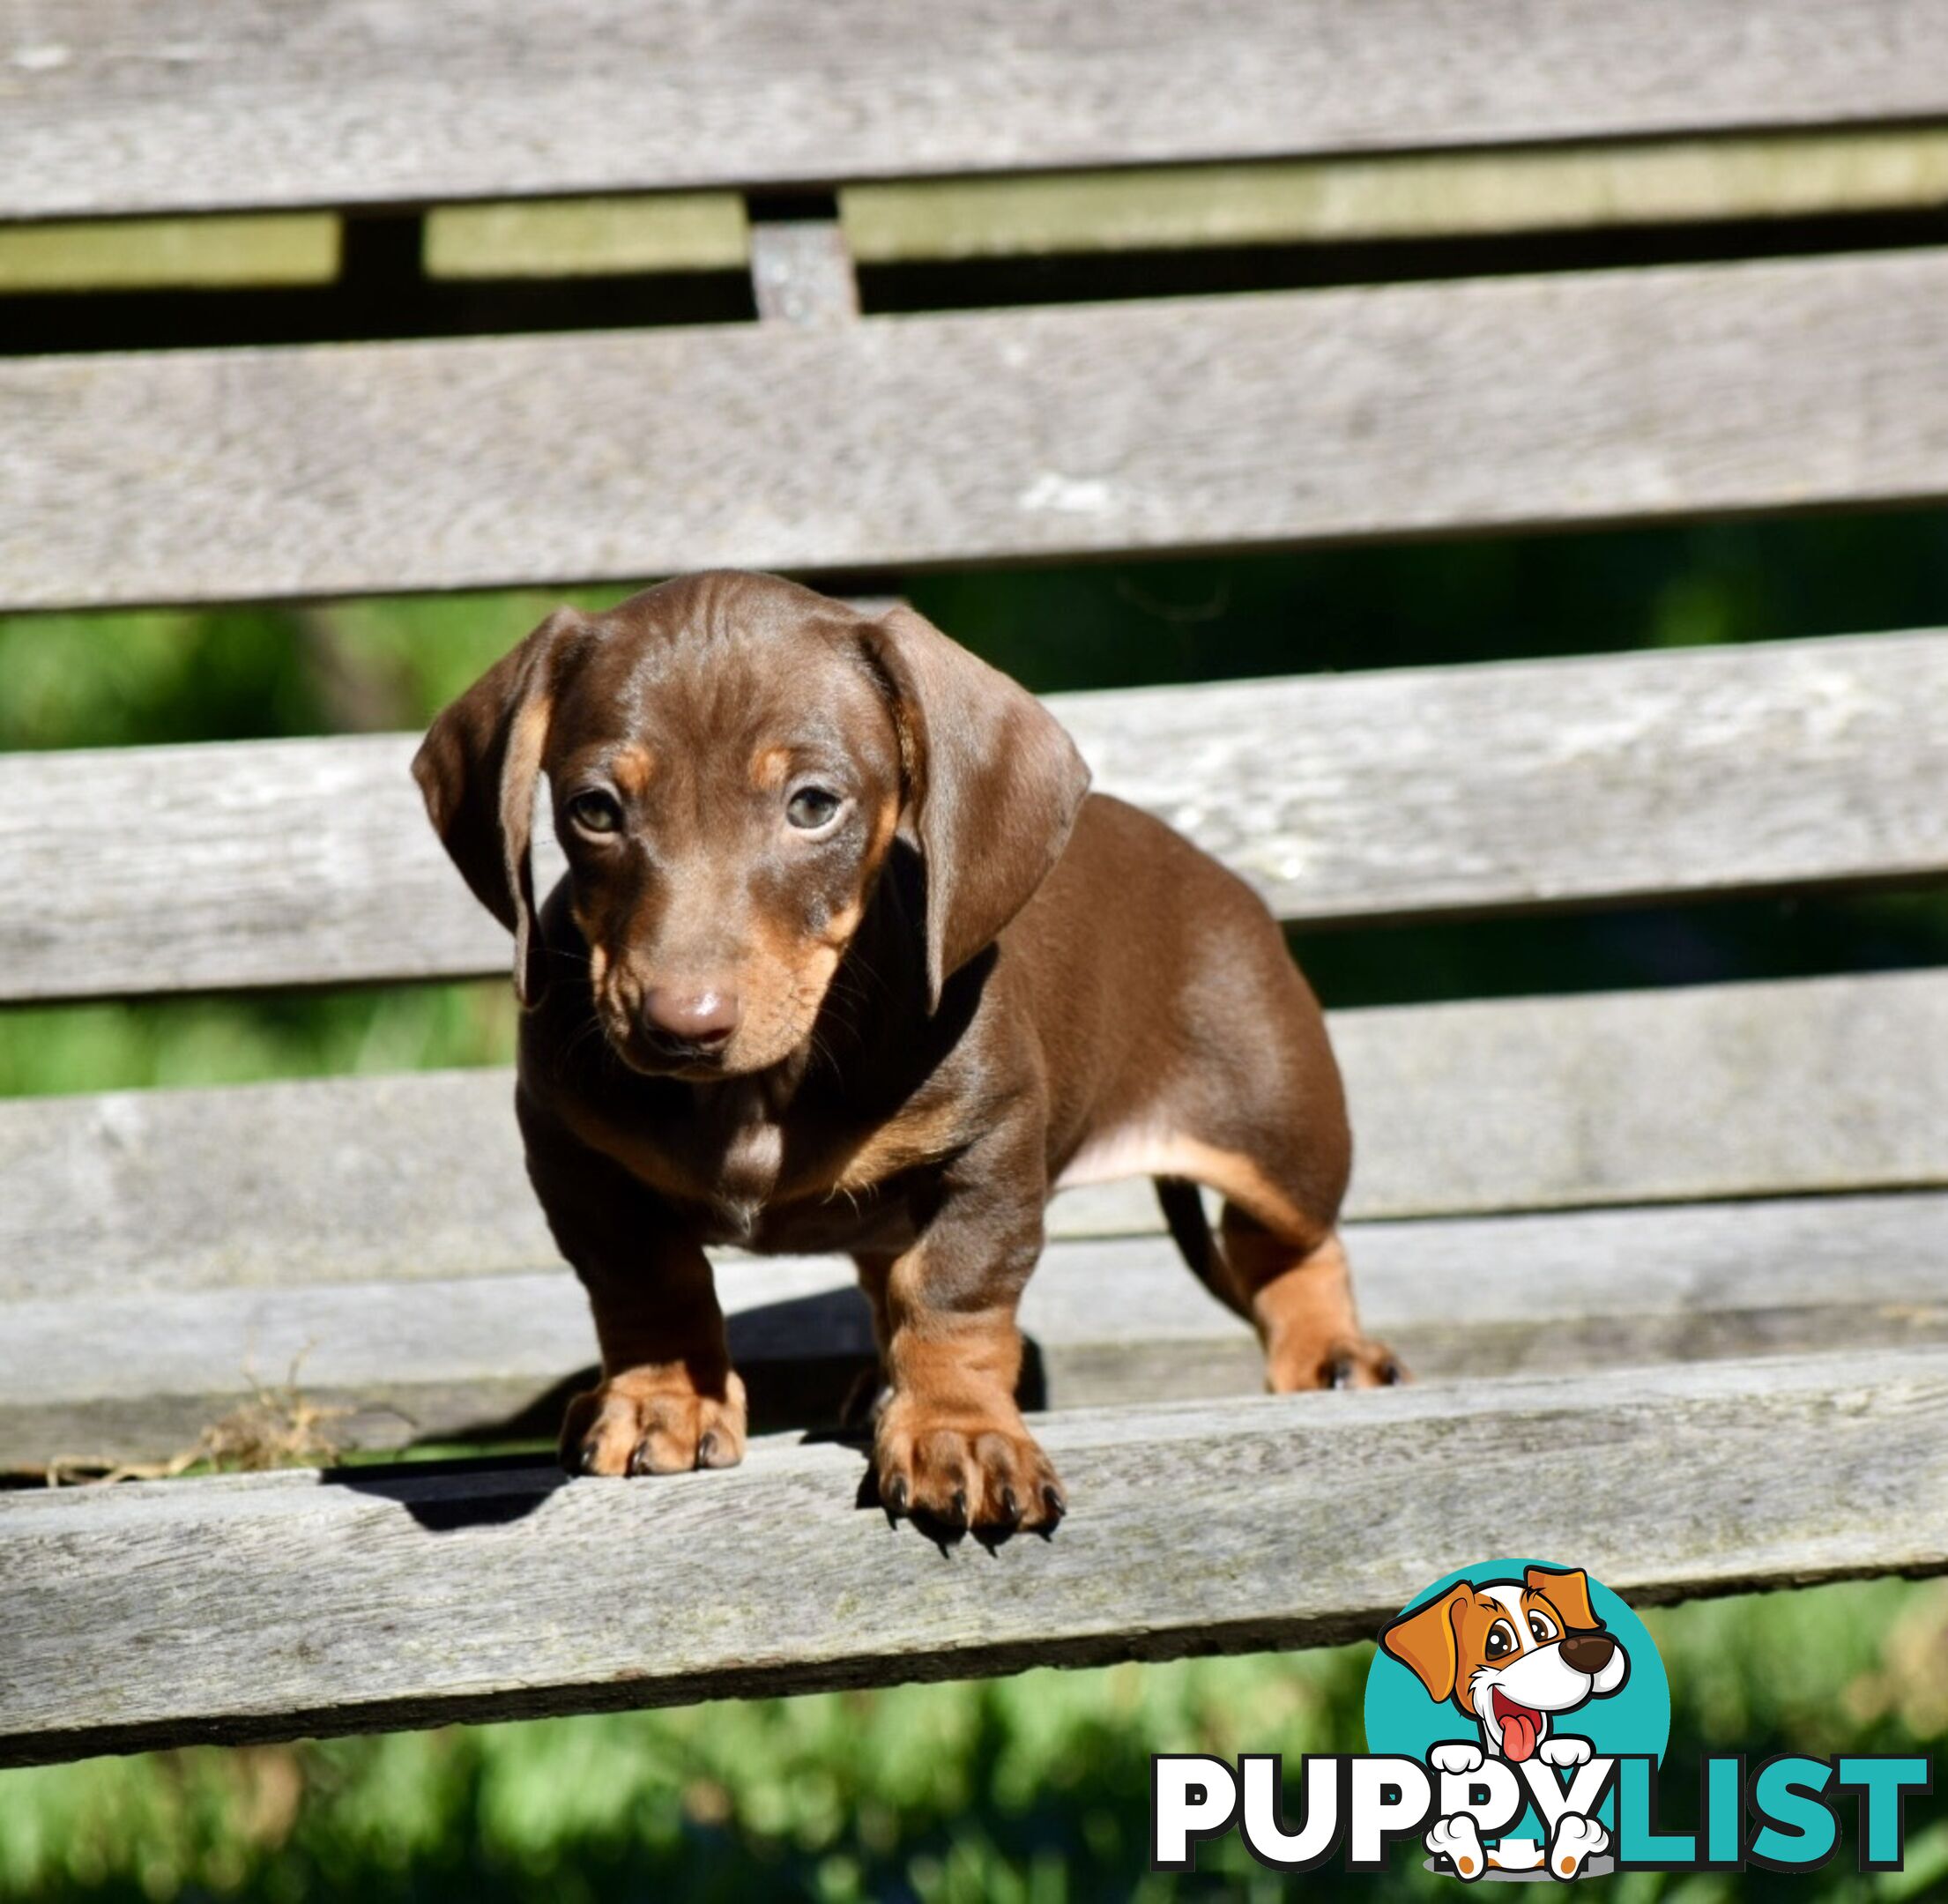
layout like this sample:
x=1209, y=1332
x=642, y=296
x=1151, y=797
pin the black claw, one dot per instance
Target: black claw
x=895, y=1495
x=1339, y=1372
x=584, y=1460
x=1011, y=1508
x=1052, y=1501
x=956, y=1512
x=1391, y=1373
x=639, y=1460
x=706, y=1447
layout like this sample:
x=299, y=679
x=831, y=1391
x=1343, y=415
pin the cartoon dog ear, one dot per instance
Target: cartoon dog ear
x=1425, y=1641
x=993, y=783
x=1567, y=1589
x=477, y=770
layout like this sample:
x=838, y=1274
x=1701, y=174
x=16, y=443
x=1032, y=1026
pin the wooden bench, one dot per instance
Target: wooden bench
x=1683, y=1251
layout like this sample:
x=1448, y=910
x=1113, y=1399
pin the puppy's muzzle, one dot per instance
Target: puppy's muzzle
x=1588, y=1653
x=686, y=1023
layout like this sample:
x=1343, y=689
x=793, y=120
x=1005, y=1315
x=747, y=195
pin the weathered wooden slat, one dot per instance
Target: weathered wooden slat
x=285, y=1604
x=1529, y=1104
x=147, y=105
x=1384, y=795
x=899, y=442
x=137, y=1375
x=801, y=272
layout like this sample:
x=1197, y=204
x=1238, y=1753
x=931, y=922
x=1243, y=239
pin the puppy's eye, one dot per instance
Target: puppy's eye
x=596, y=811
x=1501, y=1641
x=1540, y=1626
x=812, y=807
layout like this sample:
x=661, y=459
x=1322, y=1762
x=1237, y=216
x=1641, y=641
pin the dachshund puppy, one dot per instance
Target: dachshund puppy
x=847, y=957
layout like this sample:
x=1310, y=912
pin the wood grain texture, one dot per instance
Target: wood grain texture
x=131, y=1375
x=902, y=442
x=288, y=1604
x=801, y=272
x=1526, y=1104
x=1378, y=795
x=147, y=105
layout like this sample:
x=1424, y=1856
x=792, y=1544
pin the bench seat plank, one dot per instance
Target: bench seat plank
x=191, y=105
x=1156, y=425
x=1476, y=789
x=137, y=1375
x=1467, y=1108
x=274, y=1606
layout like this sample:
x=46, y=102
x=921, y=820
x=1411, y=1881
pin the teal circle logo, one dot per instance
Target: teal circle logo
x=1518, y=1660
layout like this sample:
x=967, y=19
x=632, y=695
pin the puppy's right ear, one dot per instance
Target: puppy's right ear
x=477, y=769
x=993, y=785
x=1424, y=1642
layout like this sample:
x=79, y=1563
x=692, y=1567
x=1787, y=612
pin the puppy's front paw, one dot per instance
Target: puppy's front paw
x=1345, y=1362
x=1456, y=1755
x=1564, y=1751
x=654, y=1421
x=963, y=1465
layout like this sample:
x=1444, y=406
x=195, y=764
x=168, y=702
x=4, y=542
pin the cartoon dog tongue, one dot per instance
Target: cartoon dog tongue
x=1520, y=1727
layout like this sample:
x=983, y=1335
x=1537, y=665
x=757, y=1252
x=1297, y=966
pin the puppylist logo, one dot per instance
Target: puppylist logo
x=1517, y=1713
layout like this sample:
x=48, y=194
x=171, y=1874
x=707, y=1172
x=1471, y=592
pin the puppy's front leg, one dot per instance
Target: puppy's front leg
x=668, y=1398
x=949, y=1443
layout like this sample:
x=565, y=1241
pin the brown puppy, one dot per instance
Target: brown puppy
x=848, y=958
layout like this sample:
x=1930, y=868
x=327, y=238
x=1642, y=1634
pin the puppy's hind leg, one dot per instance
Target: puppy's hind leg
x=1246, y=1098
x=1292, y=1287
x=1298, y=1296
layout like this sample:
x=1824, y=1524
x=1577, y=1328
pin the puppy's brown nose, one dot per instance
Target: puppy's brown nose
x=1588, y=1651
x=704, y=1014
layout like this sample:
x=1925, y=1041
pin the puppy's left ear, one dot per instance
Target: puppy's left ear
x=1425, y=1641
x=1568, y=1589
x=477, y=770
x=993, y=783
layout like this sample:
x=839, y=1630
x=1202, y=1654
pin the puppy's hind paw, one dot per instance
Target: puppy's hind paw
x=1457, y=1840
x=1573, y=1842
x=1348, y=1361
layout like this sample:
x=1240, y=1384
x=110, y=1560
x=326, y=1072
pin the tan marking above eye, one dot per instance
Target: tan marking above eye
x=769, y=767
x=633, y=766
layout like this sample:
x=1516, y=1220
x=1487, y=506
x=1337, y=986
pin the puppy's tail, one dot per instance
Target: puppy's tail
x=1183, y=1206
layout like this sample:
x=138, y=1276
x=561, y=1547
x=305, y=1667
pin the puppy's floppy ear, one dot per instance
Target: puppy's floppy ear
x=1567, y=1589
x=477, y=770
x=1424, y=1642
x=993, y=783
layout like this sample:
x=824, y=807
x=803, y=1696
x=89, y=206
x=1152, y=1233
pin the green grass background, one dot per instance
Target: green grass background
x=1037, y=1788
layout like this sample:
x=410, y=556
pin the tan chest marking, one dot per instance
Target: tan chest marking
x=903, y=1144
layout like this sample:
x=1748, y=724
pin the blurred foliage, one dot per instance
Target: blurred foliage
x=234, y=673
x=119, y=1045
x=1034, y=1789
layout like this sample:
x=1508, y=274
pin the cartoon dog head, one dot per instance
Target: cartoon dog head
x=1511, y=1653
